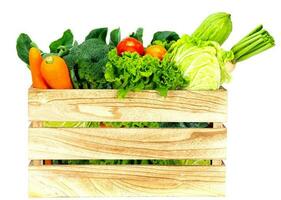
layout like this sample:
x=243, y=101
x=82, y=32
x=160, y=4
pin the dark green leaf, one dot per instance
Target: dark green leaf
x=138, y=34
x=63, y=44
x=115, y=37
x=24, y=43
x=167, y=36
x=99, y=33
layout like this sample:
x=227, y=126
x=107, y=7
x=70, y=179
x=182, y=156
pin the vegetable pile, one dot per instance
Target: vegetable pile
x=133, y=162
x=54, y=124
x=194, y=61
x=169, y=62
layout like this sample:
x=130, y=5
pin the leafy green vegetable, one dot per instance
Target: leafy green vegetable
x=202, y=63
x=56, y=124
x=168, y=76
x=257, y=41
x=87, y=62
x=184, y=125
x=24, y=43
x=99, y=33
x=132, y=72
x=62, y=45
x=216, y=27
x=138, y=34
x=132, y=124
x=135, y=162
x=167, y=36
x=115, y=37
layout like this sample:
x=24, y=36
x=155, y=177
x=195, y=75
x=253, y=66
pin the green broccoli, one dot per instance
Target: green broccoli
x=87, y=62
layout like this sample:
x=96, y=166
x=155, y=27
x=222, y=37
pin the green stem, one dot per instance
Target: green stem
x=49, y=60
x=244, y=57
x=260, y=46
x=244, y=44
x=257, y=29
x=261, y=32
x=248, y=48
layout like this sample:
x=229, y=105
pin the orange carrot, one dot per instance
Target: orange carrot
x=35, y=61
x=55, y=72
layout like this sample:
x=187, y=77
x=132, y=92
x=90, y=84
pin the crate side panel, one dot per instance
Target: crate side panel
x=103, y=105
x=127, y=143
x=90, y=181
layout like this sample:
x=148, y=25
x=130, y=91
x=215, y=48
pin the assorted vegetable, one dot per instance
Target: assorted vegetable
x=168, y=62
x=133, y=162
x=54, y=124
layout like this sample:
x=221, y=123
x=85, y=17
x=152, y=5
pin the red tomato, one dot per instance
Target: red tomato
x=131, y=45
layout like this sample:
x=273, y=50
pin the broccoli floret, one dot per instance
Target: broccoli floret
x=87, y=64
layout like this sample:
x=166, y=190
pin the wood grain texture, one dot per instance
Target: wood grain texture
x=127, y=143
x=93, y=181
x=217, y=125
x=103, y=105
x=36, y=124
x=36, y=163
x=217, y=162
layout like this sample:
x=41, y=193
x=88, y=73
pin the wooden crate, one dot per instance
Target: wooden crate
x=126, y=143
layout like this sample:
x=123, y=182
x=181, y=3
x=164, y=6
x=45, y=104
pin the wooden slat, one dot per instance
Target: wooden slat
x=36, y=124
x=217, y=162
x=126, y=143
x=91, y=181
x=217, y=125
x=37, y=162
x=103, y=105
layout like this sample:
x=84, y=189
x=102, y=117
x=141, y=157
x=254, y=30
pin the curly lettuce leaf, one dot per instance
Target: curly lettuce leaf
x=132, y=72
x=132, y=124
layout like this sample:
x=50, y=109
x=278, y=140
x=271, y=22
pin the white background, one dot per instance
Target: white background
x=253, y=163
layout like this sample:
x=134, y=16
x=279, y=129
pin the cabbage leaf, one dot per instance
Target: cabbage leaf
x=202, y=63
